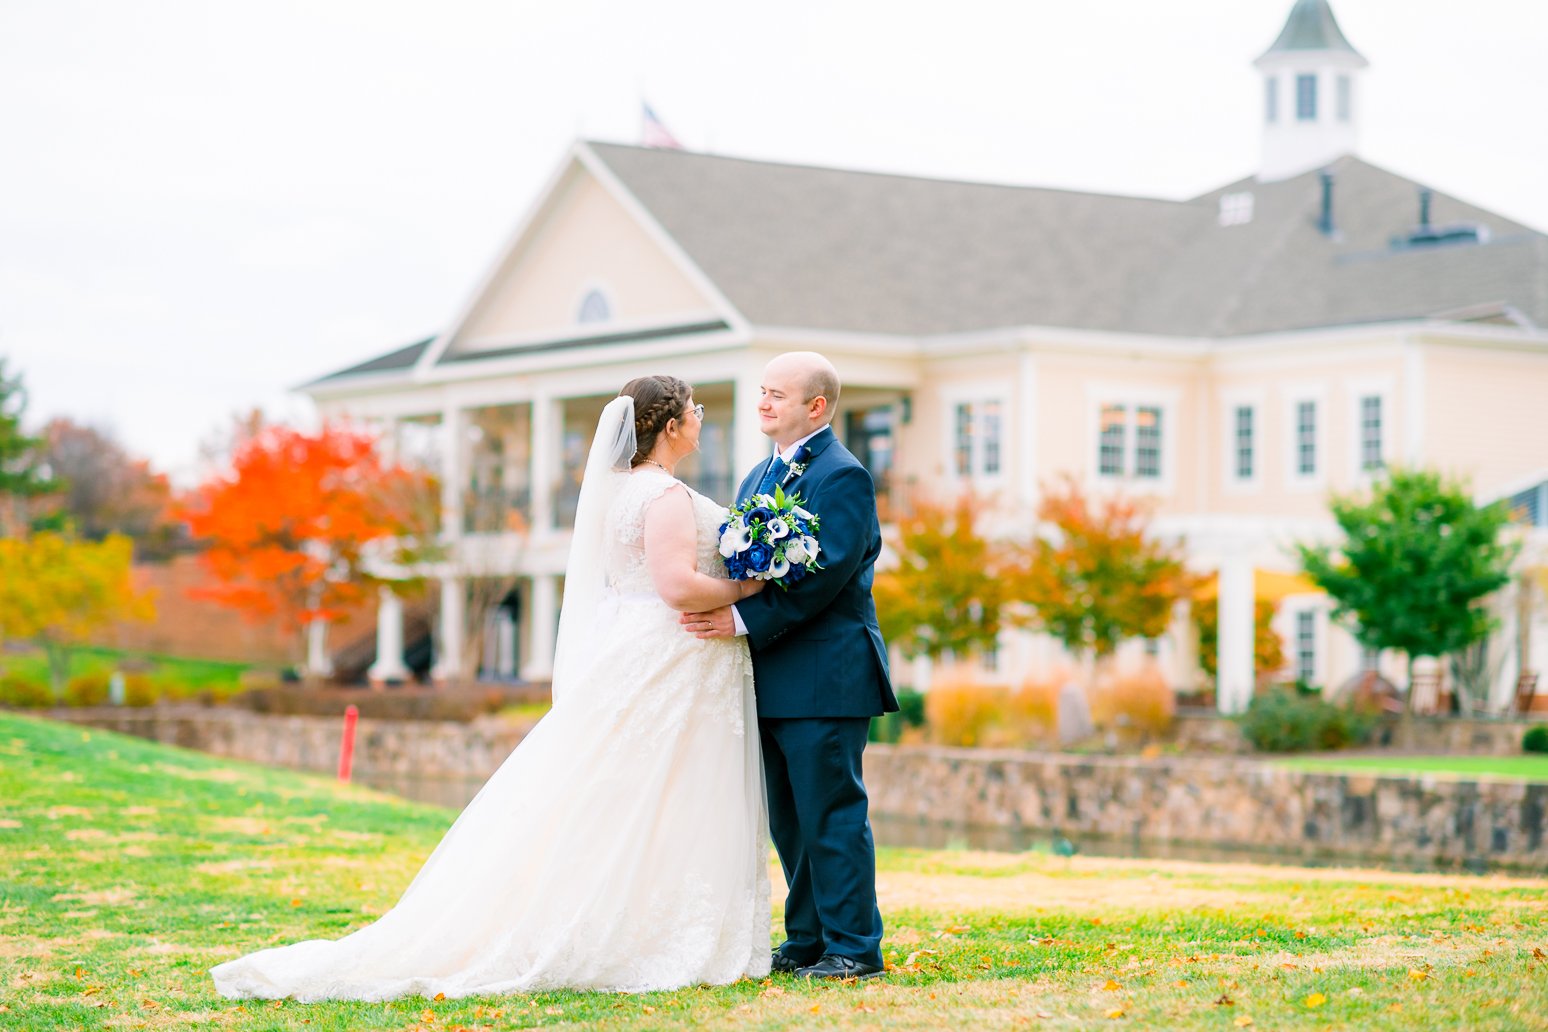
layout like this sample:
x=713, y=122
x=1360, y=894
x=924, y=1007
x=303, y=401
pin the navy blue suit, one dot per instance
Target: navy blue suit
x=820, y=668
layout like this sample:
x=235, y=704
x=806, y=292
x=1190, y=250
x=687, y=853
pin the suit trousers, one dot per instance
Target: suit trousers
x=820, y=824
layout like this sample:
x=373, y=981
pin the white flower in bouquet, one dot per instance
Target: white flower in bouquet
x=735, y=539
x=795, y=550
x=778, y=529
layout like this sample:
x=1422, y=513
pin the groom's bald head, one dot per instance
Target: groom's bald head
x=813, y=373
x=800, y=395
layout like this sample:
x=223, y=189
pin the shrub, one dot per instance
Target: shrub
x=20, y=692
x=911, y=707
x=1139, y=701
x=961, y=710
x=1034, y=708
x=87, y=689
x=1536, y=739
x=140, y=690
x=1284, y=721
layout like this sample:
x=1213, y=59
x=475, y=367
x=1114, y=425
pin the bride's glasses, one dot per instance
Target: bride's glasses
x=697, y=410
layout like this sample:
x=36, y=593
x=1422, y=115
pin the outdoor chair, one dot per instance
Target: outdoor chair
x=1526, y=688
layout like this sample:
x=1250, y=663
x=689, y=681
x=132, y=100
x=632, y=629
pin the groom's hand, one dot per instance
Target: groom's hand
x=717, y=623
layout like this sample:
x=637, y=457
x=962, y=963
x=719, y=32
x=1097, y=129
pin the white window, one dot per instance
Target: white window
x=1130, y=441
x=1271, y=100
x=1306, y=438
x=1236, y=208
x=1306, y=98
x=1147, y=442
x=1306, y=646
x=1244, y=442
x=1112, y=445
x=1370, y=433
x=978, y=440
x=1345, y=98
x=594, y=308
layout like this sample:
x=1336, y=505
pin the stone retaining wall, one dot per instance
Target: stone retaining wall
x=418, y=748
x=1224, y=802
x=1227, y=802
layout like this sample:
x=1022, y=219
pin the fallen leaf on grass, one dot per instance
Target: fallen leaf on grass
x=1315, y=1000
x=1415, y=975
x=1224, y=1001
x=1111, y=986
x=439, y=997
x=1116, y=1012
x=1242, y=1021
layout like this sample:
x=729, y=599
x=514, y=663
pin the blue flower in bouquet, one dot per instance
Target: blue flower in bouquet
x=759, y=556
x=770, y=537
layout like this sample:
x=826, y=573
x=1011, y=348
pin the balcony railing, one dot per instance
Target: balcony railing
x=496, y=510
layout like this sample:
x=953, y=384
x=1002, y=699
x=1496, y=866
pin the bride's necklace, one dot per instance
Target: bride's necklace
x=659, y=466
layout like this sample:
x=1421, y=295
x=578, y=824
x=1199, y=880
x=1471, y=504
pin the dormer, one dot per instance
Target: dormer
x=1311, y=93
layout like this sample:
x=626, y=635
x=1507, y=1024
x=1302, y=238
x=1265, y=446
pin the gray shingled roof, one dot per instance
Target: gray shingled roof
x=1311, y=26
x=394, y=361
x=823, y=248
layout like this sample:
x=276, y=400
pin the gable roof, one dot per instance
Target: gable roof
x=831, y=249
x=824, y=248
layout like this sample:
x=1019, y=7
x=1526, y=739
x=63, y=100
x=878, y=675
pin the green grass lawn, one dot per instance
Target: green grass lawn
x=1518, y=768
x=127, y=869
x=189, y=674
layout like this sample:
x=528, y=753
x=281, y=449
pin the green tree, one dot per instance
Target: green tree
x=1417, y=561
x=23, y=473
x=947, y=593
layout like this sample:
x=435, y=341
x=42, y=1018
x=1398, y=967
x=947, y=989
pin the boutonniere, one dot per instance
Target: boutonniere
x=797, y=464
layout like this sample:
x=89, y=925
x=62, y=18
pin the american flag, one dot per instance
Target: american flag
x=653, y=133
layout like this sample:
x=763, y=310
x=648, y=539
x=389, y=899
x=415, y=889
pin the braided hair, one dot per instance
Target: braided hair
x=657, y=401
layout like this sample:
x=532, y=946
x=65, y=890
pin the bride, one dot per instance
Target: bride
x=622, y=845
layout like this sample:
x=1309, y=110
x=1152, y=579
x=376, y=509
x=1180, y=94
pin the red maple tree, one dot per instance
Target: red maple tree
x=287, y=530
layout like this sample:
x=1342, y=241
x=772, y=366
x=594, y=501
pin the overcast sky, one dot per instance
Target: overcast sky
x=205, y=203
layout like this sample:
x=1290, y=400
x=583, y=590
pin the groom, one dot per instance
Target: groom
x=820, y=670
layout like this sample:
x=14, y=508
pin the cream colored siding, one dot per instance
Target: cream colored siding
x=585, y=241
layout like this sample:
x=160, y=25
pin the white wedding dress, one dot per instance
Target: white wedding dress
x=621, y=846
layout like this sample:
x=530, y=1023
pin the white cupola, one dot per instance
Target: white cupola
x=1311, y=93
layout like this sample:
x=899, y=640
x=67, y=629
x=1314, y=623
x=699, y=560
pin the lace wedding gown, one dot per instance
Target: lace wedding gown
x=621, y=846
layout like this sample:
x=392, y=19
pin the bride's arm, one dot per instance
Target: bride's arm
x=670, y=555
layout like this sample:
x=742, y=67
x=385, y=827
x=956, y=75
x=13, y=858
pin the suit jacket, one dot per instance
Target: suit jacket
x=816, y=648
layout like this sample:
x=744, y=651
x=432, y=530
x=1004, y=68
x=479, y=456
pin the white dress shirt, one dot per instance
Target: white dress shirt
x=787, y=455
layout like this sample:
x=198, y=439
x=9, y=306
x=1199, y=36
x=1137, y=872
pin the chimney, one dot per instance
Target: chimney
x=1425, y=196
x=1325, y=220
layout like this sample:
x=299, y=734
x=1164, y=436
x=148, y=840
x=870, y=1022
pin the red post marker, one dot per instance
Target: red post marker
x=347, y=745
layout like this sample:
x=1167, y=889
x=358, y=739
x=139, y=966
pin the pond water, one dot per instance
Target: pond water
x=455, y=793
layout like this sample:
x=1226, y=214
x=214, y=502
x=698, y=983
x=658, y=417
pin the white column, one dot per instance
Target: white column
x=448, y=664
x=389, y=665
x=318, y=663
x=542, y=627
x=1234, y=654
x=748, y=445
x=453, y=472
x=1026, y=431
x=545, y=458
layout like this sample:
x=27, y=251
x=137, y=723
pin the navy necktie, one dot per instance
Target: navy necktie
x=775, y=474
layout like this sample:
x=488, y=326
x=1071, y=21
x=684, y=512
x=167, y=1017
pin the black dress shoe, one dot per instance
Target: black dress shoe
x=784, y=964
x=834, y=966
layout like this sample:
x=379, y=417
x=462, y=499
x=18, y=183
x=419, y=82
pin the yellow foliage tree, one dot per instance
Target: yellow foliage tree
x=57, y=592
x=946, y=594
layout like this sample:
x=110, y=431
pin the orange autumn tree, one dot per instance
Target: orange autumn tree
x=946, y=594
x=1095, y=577
x=288, y=528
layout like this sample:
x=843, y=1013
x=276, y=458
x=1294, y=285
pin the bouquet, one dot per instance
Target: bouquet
x=770, y=537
